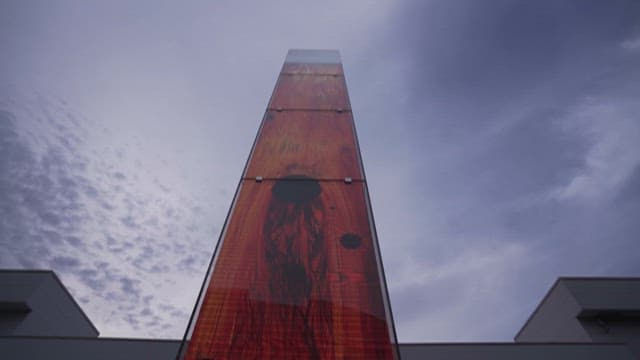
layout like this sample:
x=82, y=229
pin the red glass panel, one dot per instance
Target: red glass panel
x=310, y=92
x=296, y=277
x=298, y=274
x=318, y=144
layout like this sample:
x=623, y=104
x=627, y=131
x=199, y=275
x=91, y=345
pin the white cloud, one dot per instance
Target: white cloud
x=613, y=128
x=130, y=247
x=473, y=287
x=631, y=44
x=486, y=256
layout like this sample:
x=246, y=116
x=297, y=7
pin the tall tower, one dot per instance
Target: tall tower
x=297, y=272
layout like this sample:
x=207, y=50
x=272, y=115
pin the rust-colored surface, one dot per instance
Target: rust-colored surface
x=297, y=275
x=295, y=278
x=318, y=69
x=318, y=144
x=310, y=92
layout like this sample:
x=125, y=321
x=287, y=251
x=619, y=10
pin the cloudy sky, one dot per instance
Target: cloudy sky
x=499, y=137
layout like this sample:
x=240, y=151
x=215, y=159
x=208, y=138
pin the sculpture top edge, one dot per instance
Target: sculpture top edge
x=313, y=56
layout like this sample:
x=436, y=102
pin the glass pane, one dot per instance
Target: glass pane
x=317, y=69
x=313, y=56
x=310, y=92
x=318, y=144
x=296, y=277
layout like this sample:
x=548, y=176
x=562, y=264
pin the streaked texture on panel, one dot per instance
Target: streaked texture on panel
x=310, y=92
x=296, y=276
x=317, y=144
x=297, y=273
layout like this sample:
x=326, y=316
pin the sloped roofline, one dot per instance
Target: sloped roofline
x=64, y=288
x=569, y=278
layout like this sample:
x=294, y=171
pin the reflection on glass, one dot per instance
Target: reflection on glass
x=297, y=274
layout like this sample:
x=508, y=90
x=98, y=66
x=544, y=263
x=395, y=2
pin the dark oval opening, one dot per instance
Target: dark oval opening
x=350, y=241
x=296, y=189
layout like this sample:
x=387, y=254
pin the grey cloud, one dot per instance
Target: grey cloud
x=179, y=314
x=91, y=191
x=147, y=254
x=493, y=103
x=159, y=268
x=187, y=263
x=53, y=237
x=48, y=217
x=88, y=273
x=107, y=206
x=130, y=286
x=129, y=222
x=500, y=46
x=42, y=226
x=110, y=240
x=42, y=187
x=91, y=278
x=65, y=262
x=133, y=320
x=628, y=196
x=74, y=241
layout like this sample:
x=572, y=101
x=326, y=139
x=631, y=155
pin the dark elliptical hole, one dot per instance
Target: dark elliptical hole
x=350, y=241
x=296, y=189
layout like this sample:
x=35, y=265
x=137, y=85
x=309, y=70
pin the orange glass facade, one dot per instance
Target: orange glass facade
x=297, y=273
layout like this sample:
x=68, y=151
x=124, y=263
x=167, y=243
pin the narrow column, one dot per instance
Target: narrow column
x=297, y=272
